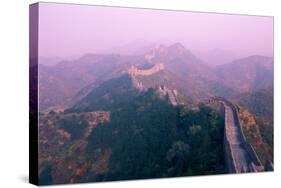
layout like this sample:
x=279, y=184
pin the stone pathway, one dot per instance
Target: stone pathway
x=240, y=155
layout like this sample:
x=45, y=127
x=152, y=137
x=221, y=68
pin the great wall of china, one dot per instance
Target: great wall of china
x=146, y=72
x=163, y=90
x=240, y=157
x=172, y=94
x=239, y=154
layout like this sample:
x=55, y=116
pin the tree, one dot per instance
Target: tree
x=178, y=157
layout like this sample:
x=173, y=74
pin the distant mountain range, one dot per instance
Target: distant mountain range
x=49, y=61
x=183, y=71
x=247, y=74
x=260, y=102
x=216, y=56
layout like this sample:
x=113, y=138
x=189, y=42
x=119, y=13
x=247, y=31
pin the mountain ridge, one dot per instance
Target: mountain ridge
x=195, y=79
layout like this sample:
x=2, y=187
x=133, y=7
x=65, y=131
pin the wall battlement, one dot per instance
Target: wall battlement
x=239, y=154
x=146, y=72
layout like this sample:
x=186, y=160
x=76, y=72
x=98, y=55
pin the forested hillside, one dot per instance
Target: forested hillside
x=145, y=138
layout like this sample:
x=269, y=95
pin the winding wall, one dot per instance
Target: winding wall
x=146, y=72
x=239, y=154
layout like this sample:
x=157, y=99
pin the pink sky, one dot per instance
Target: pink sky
x=67, y=30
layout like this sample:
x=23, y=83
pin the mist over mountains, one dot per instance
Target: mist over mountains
x=182, y=71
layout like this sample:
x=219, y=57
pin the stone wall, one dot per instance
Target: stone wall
x=228, y=157
x=146, y=72
x=254, y=164
x=171, y=93
x=248, y=147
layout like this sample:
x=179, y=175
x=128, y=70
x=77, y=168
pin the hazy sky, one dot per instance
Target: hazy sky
x=72, y=30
